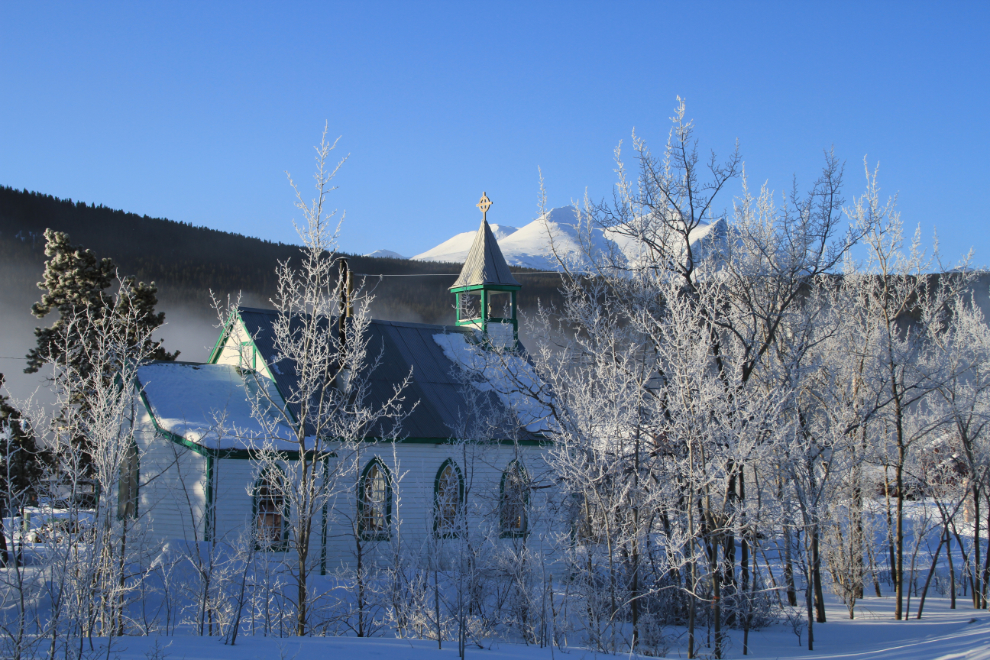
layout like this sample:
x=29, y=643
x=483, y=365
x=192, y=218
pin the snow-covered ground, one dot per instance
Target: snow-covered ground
x=943, y=634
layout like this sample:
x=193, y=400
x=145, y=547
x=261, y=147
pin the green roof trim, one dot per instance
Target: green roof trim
x=211, y=452
x=487, y=287
x=222, y=339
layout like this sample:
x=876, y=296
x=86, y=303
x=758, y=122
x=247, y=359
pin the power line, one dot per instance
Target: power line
x=548, y=272
x=412, y=275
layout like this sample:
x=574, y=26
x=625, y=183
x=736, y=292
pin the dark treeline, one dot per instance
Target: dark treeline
x=186, y=262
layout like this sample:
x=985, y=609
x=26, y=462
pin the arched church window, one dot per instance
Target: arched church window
x=375, y=502
x=514, y=500
x=127, y=489
x=271, y=512
x=448, y=497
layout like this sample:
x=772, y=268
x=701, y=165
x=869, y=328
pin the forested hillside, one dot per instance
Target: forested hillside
x=186, y=262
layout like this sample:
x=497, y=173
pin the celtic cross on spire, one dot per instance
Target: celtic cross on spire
x=484, y=205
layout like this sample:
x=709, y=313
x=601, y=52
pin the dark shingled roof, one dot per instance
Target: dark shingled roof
x=485, y=263
x=403, y=347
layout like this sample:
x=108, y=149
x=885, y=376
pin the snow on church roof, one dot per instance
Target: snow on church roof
x=211, y=405
x=436, y=387
x=510, y=375
x=485, y=263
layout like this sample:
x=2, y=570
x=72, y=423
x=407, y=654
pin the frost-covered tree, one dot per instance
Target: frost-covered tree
x=321, y=336
x=961, y=402
x=86, y=530
x=903, y=307
x=23, y=465
x=703, y=297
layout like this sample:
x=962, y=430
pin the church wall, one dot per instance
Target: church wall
x=172, y=494
x=414, y=470
x=234, y=502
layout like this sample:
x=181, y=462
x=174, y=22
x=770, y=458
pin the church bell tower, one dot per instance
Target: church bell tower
x=486, y=290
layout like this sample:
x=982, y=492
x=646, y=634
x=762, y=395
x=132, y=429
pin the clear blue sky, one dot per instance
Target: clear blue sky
x=193, y=111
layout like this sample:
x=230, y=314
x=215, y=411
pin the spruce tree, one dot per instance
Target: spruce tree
x=76, y=284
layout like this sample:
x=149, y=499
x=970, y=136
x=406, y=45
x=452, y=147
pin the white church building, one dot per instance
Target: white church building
x=188, y=479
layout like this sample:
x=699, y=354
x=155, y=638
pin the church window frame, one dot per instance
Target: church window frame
x=448, y=500
x=375, y=501
x=246, y=348
x=513, y=507
x=271, y=501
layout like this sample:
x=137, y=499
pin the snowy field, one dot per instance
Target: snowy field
x=943, y=634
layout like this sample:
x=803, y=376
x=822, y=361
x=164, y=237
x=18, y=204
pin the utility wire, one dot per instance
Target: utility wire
x=412, y=275
x=549, y=272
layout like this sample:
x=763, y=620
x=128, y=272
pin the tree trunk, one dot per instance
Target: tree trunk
x=968, y=574
x=4, y=556
x=691, y=615
x=986, y=564
x=692, y=564
x=816, y=568
x=749, y=593
x=789, y=569
x=890, y=527
x=811, y=617
x=743, y=543
x=952, y=569
x=977, y=586
x=303, y=595
x=857, y=513
x=899, y=533
x=302, y=553
x=773, y=580
x=436, y=607
x=931, y=572
x=360, y=585
x=717, y=597
x=634, y=591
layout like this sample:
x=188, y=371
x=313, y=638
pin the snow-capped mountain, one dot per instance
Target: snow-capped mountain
x=386, y=254
x=535, y=244
x=456, y=249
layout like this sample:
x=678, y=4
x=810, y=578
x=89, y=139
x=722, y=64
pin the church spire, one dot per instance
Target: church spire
x=485, y=263
x=486, y=290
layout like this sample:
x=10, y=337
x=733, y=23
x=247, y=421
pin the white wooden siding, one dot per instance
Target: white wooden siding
x=173, y=494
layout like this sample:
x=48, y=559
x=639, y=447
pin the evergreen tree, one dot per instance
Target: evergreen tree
x=75, y=284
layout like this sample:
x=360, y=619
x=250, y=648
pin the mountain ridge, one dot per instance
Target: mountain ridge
x=558, y=236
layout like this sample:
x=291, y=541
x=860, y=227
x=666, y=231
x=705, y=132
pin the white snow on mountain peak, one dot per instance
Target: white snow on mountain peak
x=456, y=249
x=385, y=254
x=559, y=235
